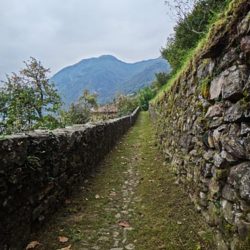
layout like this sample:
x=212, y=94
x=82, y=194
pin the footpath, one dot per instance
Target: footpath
x=131, y=202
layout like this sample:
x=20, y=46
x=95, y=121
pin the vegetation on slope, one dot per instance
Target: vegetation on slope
x=191, y=27
x=188, y=42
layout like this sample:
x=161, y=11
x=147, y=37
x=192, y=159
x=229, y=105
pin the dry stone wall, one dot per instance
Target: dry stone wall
x=39, y=169
x=203, y=129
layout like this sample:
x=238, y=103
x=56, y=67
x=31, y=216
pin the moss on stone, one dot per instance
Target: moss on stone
x=204, y=87
x=245, y=102
x=228, y=229
x=221, y=174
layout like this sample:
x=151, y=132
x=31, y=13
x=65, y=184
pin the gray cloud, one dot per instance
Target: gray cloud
x=60, y=32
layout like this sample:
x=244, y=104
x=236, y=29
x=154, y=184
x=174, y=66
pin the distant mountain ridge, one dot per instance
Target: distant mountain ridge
x=107, y=76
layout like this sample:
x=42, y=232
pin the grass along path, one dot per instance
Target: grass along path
x=132, y=202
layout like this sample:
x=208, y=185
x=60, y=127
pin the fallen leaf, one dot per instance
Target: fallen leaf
x=63, y=239
x=32, y=245
x=124, y=224
x=65, y=248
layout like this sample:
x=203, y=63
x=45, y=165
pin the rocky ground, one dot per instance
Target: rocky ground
x=131, y=202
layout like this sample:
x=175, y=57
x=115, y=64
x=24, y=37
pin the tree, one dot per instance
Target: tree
x=87, y=100
x=161, y=79
x=36, y=76
x=3, y=109
x=125, y=104
x=17, y=105
x=144, y=96
x=79, y=113
x=28, y=100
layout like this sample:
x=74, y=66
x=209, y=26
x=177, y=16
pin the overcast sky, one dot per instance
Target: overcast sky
x=62, y=32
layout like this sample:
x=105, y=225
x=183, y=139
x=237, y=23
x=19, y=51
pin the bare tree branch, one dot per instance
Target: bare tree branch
x=180, y=11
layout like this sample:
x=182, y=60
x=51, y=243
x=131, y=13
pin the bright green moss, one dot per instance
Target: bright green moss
x=204, y=87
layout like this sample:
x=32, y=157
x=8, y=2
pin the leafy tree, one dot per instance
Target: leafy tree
x=28, y=100
x=125, y=104
x=161, y=79
x=49, y=122
x=17, y=105
x=36, y=76
x=79, y=113
x=88, y=100
x=144, y=96
x=3, y=104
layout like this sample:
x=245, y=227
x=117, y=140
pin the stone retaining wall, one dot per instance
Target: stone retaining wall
x=39, y=169
x=203, y=128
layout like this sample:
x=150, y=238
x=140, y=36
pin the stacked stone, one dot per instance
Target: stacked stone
x=203, y=127
x=38, y=170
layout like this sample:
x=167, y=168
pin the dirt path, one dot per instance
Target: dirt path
x=132, y=202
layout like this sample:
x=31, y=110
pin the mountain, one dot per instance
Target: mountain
x=106, y=75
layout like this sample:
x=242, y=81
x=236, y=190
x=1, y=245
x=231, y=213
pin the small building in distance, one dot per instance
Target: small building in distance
x=104, y=112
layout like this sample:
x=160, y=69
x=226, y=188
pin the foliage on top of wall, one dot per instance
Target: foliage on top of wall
x=206, y=46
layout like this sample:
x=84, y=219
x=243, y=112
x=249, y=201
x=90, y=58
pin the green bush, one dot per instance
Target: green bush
x=144, y=97
x=79, y=113
x=125, y=104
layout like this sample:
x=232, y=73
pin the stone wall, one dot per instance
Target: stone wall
x=203, y=128
x=39, y=169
